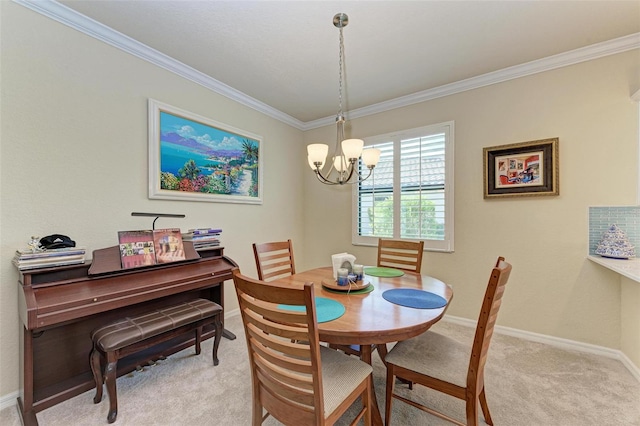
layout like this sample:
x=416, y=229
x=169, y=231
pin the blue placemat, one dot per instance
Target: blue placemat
x=414, y=298
x=326, y=309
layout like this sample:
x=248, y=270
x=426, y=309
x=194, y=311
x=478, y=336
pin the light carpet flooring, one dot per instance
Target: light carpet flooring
x=527, y=384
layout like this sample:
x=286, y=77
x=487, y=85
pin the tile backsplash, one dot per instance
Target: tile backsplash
x=626, y=217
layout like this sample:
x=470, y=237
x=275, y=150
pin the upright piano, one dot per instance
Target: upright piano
x=60, y=306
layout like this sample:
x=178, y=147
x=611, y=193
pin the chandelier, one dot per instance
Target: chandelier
x=344, y=162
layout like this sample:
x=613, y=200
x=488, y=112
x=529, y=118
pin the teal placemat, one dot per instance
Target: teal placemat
x=383, y=272
x=365, y=290
x=326, y=309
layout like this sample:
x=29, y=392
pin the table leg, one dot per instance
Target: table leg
x=382, y=351
x=376, y=418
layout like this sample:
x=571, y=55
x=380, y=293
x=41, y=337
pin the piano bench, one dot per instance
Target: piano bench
x=130, y=335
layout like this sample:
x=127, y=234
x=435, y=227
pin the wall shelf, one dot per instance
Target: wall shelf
x=630, y=268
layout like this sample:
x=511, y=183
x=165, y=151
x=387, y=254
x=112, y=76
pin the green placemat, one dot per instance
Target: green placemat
x=326, y=309
x=365, y=290
x=383, y=272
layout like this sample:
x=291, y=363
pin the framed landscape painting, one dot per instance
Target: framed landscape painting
x=521, y=169
x=198, y=159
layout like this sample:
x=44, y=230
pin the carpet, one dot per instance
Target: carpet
x=527, y=384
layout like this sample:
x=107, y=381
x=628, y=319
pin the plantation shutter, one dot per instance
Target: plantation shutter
x=422, y=181
x=410, y=192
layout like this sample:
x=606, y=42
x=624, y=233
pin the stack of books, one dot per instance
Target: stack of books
x=29, y=259
x=203, y=238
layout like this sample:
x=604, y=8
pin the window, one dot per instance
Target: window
x=410, y=193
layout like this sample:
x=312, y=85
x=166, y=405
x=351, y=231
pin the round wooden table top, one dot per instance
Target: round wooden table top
x=369, y=318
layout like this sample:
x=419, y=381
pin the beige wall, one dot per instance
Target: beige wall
x=630, y=317
x=74, y=155
x=73, y=146
x=553, y=289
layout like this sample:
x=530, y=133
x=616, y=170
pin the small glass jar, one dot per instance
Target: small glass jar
x=343, y=278
x=358, y=270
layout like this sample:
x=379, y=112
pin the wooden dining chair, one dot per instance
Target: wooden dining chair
x=400, y=254
x=274, y=260
x=294, y=378
x=446, y=365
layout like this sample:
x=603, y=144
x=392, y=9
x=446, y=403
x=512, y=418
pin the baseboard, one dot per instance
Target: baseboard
x=556, y=342
x=230, y=314
x=9, y=400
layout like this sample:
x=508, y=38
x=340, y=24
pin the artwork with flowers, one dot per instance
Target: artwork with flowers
x=195, y=158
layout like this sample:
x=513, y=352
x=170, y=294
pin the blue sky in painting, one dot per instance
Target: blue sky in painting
x=210, y=136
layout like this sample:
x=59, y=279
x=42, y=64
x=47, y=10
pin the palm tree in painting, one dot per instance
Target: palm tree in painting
x=190, y=170
x=250, y=150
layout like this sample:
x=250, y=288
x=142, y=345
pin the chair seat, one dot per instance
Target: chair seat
x=341, y=374
x=435, y=355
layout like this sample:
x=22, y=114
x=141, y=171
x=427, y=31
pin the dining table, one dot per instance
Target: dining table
x=370, y=320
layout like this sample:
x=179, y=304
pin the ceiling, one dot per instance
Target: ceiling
x=285, y=53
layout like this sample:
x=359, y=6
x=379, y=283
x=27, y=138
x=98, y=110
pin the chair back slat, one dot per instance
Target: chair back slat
x=486, y=322
x=294, y=393
x=292, y=364
x=274, y=260
x=400, y=254
x=302, y=382
x=274, y=314
x=277, y=343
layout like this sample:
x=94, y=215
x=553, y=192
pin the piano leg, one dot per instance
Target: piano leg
x=26, y=402
x=110, y=379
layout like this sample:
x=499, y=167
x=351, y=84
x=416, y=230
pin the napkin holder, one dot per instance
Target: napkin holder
x=342, y=260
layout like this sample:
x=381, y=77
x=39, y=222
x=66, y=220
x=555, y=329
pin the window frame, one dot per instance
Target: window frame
x=445, y=245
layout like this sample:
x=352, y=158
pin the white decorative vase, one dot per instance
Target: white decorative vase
x=615, y=244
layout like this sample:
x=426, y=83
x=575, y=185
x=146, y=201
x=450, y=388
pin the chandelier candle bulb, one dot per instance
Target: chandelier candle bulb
x=352, y=148
x=317, y=153
x=338, y=163
x=370, y=157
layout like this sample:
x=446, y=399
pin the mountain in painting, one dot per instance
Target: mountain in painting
x=174, y=138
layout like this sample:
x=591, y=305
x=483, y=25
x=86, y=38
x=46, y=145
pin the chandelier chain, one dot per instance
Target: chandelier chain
x=340, y=69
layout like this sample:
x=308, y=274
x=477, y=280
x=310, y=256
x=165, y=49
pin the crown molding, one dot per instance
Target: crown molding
x=88, y=26
x=588, y=53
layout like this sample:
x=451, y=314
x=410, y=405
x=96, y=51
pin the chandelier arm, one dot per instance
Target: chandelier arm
x=352, y=168
x=323, y=179
x=362, y=179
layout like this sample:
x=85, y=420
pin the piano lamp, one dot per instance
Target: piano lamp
x=156, y=215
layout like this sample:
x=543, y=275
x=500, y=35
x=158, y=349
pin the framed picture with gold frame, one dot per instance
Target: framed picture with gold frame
x=521, y=169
